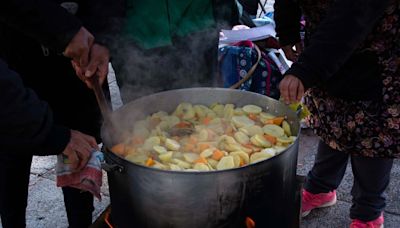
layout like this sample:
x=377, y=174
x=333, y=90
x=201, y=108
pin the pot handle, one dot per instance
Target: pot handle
x=110, y=167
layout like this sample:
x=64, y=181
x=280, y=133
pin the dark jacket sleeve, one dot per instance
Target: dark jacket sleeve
x=43, y=20
x=25, y=121
x=287, y=16
x=345, y=27
x=104, y=18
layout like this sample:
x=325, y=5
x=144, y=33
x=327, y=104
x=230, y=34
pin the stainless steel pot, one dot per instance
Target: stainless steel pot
x=152, y=198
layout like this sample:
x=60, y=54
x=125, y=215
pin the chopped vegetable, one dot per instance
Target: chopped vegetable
x=217, y=155
x=150, y=162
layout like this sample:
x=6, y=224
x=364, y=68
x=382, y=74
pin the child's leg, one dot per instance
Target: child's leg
x=328, y=170
x=371, y=177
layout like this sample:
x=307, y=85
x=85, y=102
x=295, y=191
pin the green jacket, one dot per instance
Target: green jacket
x=155, y=23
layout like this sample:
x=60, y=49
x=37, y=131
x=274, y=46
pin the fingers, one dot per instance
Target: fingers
x=293, y=86
x=300, y=92
x=98, y=64
x=84, y=156
x=291, y=89
x=284, y=88
x=91, y=141
x=79, y=149
x=79, y=47
x=103, y=71
x=73, y=159
x=84, y=58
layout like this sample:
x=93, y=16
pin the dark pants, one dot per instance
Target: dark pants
x=371, y=177
x=14, y=182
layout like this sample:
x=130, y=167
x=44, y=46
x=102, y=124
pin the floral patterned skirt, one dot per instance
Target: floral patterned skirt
x=366, y=128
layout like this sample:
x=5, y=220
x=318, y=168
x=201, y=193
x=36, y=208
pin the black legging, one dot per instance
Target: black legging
x=371, y=177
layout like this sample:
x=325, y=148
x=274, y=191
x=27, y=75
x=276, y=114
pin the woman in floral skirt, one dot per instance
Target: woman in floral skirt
x=350, y=72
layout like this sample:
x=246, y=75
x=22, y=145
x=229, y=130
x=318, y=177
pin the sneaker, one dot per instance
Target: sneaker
x=377, y=223
x=311, y=201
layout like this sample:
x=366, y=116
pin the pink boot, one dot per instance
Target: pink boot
x=377, y=223
x=311, y=201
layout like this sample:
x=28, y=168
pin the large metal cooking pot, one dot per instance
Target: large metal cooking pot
x=153, y=198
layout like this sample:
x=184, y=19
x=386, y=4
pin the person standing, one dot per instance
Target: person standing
x=27, y=124
x=351, y=71
x=176, y=46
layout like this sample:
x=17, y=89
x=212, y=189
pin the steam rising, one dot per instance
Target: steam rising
x=190, y=62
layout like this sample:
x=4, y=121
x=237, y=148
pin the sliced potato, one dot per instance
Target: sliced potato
x=171, y=120
x=238, y=112
x=159, y=165
x=252, y=130
x=181, y=164
x=256, y=157
x=241, y=137
x=137, y=158
x=160, y=149
x=226, y=162
x=270, y=151
x=166, y=157
x=172, y=144
x=279, y=149
x=159, y=114
x=219, y=110
x=274, y=130
x=260, y=141
x=175, y=167
x=242, y=121
x=201, y=167
x=200, y=110
x=191, y=157
x=207, y=152
x=286, y=128
x=149, y=143
x=232, y=147
x=229, y=111
x=236, y=160
x=284, y=139
x=253, y=109
x=243, y=155
x=266, y=116
x=213, y=163
x=203, y=135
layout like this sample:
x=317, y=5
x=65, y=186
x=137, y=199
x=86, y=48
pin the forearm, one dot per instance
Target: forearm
x=345, y=27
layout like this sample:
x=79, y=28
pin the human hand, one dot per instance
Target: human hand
x=291, y=89
x=78, y=48
x=79, y=149
x=292, y=54
x=98, y=65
